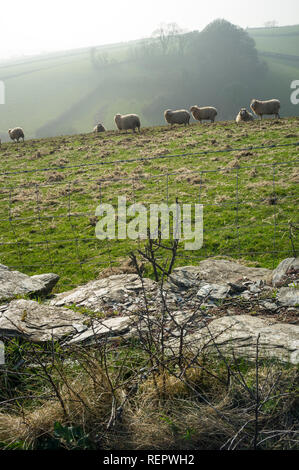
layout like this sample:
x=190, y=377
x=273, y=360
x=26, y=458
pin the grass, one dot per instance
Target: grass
x=48, y=200
x=64, y=399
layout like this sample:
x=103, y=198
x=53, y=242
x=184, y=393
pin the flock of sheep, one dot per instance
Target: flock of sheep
x=181, y=116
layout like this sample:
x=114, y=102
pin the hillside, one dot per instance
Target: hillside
x=245, y=176
x=66, y=93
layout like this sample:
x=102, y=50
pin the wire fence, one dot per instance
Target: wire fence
x=250, y=211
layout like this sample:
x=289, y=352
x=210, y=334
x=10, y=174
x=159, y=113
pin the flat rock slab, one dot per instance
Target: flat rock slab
x=118, y=291
x=289, y=267
x=109, y=327
x=238, y=335
x=13, y=283
x=220, y=271
x=38, y=322
x=288, y=296
x=213, y=291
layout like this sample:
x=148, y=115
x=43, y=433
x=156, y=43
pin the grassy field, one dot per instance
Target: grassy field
x=133, y=393
x=280, y=40
x=50, y=188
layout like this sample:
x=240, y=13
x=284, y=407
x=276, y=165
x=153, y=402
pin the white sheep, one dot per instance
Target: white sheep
x=16, y=134
x=265, y=107
x=179, y=116
x=203, y=114
x=244, y=116
x=127, y=121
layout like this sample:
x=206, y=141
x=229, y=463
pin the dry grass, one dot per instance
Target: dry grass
x=205, y=408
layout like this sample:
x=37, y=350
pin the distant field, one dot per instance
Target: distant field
x=282, y=40
x=50, y=188
x=59, y=94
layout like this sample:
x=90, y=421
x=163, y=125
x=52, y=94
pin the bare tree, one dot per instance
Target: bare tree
x=167, y=34
x=271, y=24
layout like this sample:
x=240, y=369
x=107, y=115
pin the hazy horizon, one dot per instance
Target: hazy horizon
x=33, y=27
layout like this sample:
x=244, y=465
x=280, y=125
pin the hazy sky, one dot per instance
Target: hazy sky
x=33, y=26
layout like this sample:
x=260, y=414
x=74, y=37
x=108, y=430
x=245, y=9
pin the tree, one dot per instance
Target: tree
x=166, y=34
x=271, y=24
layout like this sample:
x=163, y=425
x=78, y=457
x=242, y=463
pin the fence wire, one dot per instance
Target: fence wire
x=250, y=211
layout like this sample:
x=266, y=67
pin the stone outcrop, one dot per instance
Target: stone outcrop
x=119, y=293
x=13, y=283
x=238, y=335
x=38, y=322
x=286, y=271
x=191, y=293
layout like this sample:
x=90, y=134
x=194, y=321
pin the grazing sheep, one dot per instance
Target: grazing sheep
x=127, y=121
x=99, y=128
x=244, y=116
x=16, y=134
x=202, y=114
x=180, y=116
x=265, y=107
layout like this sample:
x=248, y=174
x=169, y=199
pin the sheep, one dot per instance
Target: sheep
x=244, y=116
x=127, y=121
x=99, y=128
x=16, y=134
x=206, y=113
x=179, y=116
x=265, y=107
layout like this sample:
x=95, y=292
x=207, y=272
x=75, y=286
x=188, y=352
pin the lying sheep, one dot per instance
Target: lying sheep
x=180, y=116
x=99, y=128
x=202, y=114
x=265, y=107
x=16, y=134
x=244, y=116
x=127, y=121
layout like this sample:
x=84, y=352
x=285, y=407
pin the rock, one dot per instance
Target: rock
x=38, y=322
x=213, y=292
x=183, y=278
x=269, y=305
x=288, y=267
x=222, y=271
x=48, y=280
x=254, y=289
x=13, y=283
x=2, y=354
x=110, y=327
x=288, y=296
x=238, y=335
x=119, y=292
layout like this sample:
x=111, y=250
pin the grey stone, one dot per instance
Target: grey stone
x=254, y=289
x=13, y=283
x=238, y=335
x=269, y=305
x=120, y=292
x=109, y=327
x=38, y=322
x=213, y=292
x=285, y=269
x=2, y=353
x=288, y=296
x=49, y=281
x=222, y=271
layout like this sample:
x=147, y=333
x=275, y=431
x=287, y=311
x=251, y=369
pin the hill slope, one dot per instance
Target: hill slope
x=245, y=176
x=65, y=93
